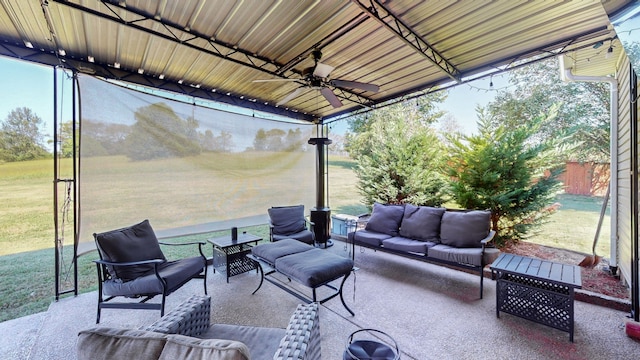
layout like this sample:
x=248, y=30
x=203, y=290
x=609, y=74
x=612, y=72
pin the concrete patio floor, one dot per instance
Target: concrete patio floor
x=431, y=311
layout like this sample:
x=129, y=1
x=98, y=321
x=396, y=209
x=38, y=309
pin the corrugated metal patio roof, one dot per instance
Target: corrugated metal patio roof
x=217, y=49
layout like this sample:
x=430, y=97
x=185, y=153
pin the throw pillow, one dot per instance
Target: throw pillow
x=385, y=219
x=464, y=229
x=421, y=222
x=188, y=348
x=134, y=243
x=287, y=220
x=100, y=343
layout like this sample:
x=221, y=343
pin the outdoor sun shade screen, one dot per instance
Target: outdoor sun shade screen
x=186, y=168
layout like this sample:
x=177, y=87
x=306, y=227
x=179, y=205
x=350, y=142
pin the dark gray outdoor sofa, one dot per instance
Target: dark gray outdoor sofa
x=459, y=238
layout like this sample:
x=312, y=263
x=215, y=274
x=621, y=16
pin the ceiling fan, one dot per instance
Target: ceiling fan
x=317, y=78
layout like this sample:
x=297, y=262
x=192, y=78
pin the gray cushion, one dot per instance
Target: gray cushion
x=368, y=237
x=262, y=342
x=314, y=267
x=385, y=219
x=421, y=222
x=134, y=243
x=100, y=343
x=464, y=229
x=409, y=245
x=306, y=236
x=471, y=256
x=272, y=251
x=287, y=220
x=189, y=348
x=173, y=272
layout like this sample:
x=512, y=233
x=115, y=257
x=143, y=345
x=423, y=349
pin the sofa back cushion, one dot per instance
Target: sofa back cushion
x=189, y=348
x=134, y=243
x=100, y=343
x=421, y=222
x=464, y=229
x=385, y=219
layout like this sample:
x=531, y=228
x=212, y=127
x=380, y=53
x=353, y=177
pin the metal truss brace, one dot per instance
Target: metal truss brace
x=385, y=17
x=217, y=48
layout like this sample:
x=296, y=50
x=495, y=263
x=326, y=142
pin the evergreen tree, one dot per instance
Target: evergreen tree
x=508, y=171
x=399, y=158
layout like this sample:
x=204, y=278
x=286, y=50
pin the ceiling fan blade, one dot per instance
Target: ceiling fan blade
x=272, y=80
x=331, y=97
x=356, y=85
x=291, y=96
x=322, y=70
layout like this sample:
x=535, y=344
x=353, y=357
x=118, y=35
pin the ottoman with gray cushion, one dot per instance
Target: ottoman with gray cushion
x=303, y=263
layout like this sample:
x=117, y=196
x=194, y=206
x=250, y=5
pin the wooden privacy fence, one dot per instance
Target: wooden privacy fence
x=589, y=179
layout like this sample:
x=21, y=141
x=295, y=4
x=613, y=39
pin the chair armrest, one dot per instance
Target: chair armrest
x=488, y=239
x=199, y=243
x=302, y=338
x=130, y=263
x=191, y=318
x=179, y=244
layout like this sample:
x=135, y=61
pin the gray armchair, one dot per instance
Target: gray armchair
x=289, y=222
x=132, y=265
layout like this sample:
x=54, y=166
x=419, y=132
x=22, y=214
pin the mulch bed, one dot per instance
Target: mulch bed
x=597, y=279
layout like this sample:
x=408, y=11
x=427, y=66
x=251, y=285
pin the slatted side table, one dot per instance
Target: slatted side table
x=537, y=290
x=229, y=256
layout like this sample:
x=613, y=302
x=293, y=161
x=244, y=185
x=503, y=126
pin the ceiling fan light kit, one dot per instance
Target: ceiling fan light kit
x=317, y=78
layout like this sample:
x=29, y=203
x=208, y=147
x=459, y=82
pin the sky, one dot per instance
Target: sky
x=25, y=84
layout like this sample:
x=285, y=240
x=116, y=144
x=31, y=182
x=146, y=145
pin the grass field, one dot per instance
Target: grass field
x=27, y=233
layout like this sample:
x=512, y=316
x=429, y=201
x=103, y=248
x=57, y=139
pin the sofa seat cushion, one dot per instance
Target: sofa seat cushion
x=314, y=267
x=189, y=348
x=421, y=223
x=470, y=256
x=409, y=245
x=262, y=342
x=465, y=229
x=100, y=343
x=174, y=272
x=369, y=237
x=385, y=219
x=269, y=252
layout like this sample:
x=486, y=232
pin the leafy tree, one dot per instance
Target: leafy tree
x=399, y=157
x=66, y=139
x=160, y=133
x=220, y=143
x=279, y=140
x=583, y=108
x=20, y=136
x=100, y=139
x=507, y=170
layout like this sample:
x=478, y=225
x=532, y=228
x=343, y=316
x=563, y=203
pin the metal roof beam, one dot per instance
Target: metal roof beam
x=385, y=17
x=220, y=48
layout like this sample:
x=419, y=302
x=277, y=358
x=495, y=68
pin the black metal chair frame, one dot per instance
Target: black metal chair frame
x=104, y=275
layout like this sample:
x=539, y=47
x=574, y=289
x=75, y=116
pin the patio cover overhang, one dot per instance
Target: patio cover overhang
x=217, y=49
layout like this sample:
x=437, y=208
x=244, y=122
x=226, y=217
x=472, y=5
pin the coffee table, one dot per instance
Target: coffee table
x=537, y=290
x=229, y=256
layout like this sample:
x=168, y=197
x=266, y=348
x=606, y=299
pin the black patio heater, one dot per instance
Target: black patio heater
x=321, y=214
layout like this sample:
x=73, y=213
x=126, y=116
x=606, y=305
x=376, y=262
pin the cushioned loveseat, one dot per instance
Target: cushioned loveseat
x=460, y=238
x=185, y=333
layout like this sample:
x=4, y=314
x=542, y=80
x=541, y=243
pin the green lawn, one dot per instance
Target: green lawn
x=26, y=232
